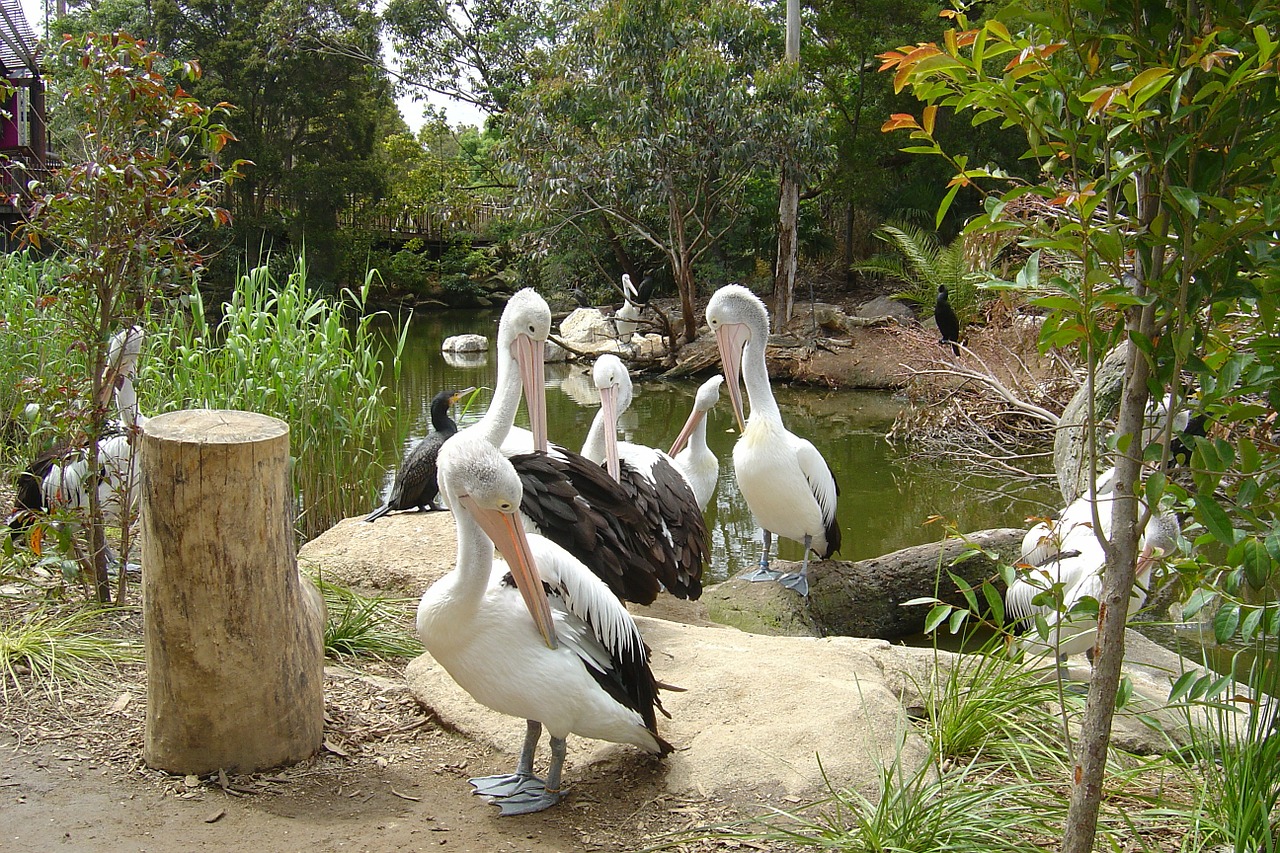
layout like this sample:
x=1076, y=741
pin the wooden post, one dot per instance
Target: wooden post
x=234, y=637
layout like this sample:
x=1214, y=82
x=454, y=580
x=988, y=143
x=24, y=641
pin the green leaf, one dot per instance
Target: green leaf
x=1196, y=603
x=1226, y=621
x=957, y=620
x=1257, y=563
x=1215, y=520
x=1187, y=198
x=936, y=617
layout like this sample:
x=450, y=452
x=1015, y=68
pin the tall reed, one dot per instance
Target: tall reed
x=283, y=351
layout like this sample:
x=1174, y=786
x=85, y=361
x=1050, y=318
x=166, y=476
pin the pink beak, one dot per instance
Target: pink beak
x=730, y=339
x=507, y=533
x=528, y=355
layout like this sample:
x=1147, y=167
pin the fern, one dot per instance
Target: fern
x=922, y=264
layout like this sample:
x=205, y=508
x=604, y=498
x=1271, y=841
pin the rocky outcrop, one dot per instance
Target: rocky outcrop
x=465, y=343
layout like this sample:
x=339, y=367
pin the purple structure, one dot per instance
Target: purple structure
x=23, y=135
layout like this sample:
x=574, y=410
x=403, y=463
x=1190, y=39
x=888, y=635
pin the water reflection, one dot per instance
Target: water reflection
x=885, y=503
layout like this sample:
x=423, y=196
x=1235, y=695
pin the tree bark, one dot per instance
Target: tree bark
x=1113, y=605
x=234, y=636
x=784, y=276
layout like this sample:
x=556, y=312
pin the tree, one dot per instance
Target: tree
x=655, y=118
x=1153, y=129
x=142, y=176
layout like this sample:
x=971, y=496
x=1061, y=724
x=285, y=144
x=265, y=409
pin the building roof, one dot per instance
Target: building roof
x=19, y=49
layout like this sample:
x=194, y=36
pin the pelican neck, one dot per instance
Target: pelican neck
x=594, y=445
x=755, y=375
x=475, y=556
x=501, y=415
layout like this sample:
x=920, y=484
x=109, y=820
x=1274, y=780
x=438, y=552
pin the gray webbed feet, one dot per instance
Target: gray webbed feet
x=797, y=581
x=505, y=784
x=761, y=575
x=528, y=801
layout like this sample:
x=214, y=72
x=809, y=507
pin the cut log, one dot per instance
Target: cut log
x=234, y=636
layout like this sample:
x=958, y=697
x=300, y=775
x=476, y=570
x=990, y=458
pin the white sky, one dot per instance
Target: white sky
x=456, y=111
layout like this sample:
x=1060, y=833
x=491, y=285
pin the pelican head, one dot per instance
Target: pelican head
x=614, y=384
x=480, y=481
x=704, y=401
x=736, y=317
x=523, y=331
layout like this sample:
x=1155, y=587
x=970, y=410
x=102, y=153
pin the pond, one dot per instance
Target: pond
x=886, y=502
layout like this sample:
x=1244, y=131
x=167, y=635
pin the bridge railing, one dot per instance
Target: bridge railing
x=432, y=224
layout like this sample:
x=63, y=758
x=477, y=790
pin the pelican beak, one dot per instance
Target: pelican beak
x=507, y=533
x=730, y=339
x=687, y=430
x=609, y=404
x=528, y=354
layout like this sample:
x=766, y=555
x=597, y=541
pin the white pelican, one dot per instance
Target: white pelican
x=1055, y=588
x=58, y=478
x=575, y=663
x=696, y=461
x=787, y=484
x=415, y=484
x=567, y=498
x=626, y=319
x=650, y=477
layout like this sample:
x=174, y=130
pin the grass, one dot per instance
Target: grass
x=361, y=626
x=45, y=651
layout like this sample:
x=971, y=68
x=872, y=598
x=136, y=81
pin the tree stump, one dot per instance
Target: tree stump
x=234, y=636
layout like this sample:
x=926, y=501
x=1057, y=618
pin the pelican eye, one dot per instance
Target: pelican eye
x=506, y=506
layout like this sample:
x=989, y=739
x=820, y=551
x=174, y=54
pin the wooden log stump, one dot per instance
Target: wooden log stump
x=234, y=636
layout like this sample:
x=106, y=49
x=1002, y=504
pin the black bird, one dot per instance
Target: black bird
x=415, y=484
x=948, y=323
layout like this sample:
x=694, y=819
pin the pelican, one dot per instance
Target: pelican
x=540, y=638
x=568, y=498
x=787, y=484
x=1072, y=574
x=58, y=478
x=650, y=477
x=415, y=483
x=696, y=461
x=626, y=319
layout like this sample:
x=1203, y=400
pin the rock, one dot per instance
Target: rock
x=401, y=553
x=586, y=327
x=465, y=343
x=863, y=598
x=884, y=306
x=751, y=723
x=553, y=353
x=1070, y=442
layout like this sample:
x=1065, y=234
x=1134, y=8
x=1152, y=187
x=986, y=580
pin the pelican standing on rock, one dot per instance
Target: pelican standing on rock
x=650, y=477
x=568, y=498
x=627, y=318
x=415, y=484
x=785, y=481
x=574, y=663
x=694, y=459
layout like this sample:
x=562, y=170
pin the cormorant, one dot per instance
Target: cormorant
x=415, y=484
x=948, y=322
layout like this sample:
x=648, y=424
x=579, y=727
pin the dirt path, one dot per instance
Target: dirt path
x=390, y=779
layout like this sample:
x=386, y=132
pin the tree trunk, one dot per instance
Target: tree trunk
x=784, y=275
x=234, y=637
x=1113, y=604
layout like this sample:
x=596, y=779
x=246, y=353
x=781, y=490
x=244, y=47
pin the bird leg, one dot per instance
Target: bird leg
x=506, y=784
x=531, y=799
x=799, y=581
x=764, y=573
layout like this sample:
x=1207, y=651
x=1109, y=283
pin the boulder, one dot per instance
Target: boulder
x=885, y=306
x=1070, y=442
x=586, y=327
x=465, y=343
x=751, y=722
x=864, y=598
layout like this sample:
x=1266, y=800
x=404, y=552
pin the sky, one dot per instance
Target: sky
x=456, y=111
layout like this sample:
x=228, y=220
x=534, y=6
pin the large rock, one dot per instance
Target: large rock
x=465, y=343
x=865, y=598
x=1071, y=441
x=760, y=717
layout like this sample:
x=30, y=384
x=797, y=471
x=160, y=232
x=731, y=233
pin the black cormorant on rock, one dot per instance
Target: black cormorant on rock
x=415, y=484
x=948, y=323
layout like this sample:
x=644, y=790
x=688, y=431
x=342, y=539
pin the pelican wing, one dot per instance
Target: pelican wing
x=822, y=482
x=668, y=504
x=574, y=503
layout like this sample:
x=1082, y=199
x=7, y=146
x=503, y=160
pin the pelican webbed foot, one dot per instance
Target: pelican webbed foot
x=528, y=801
x=798, y=581
x=761, y=575
x=506, y=784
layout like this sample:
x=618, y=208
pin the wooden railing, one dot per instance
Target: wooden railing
x=431, y=224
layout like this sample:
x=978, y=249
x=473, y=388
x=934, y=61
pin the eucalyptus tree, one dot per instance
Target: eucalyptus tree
x=482, y=52
x=1153, y=128
x=655, y=115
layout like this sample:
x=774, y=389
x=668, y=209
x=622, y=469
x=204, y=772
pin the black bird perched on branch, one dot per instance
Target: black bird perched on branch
x=415, y=484
x=948, y=323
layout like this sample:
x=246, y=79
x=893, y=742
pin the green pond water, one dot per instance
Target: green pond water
x=885, y=503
